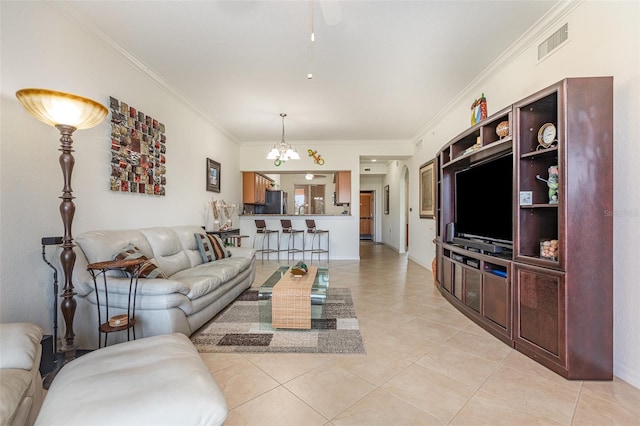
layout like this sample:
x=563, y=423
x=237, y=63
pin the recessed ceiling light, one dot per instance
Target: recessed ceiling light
x=373, y=160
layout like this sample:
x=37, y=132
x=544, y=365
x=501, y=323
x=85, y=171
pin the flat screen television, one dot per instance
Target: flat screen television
x=484, y=201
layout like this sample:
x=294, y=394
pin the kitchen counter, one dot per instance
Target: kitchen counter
x=293, y=215
x=344, y=241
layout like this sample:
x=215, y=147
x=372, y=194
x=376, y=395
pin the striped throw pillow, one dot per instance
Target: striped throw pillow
x=211, y=247
x=148, y=269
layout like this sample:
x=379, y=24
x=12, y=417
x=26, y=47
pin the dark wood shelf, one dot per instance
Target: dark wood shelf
x=540, y=206
x=541, y=152
x=106, y=328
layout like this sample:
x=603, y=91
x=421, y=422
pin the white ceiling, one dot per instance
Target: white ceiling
x=380, y=73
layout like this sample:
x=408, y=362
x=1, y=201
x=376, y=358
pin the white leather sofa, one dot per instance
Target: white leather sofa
x=21, y=390
x=193, y=293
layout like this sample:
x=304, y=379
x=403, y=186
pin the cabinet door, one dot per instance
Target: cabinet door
x=539, y=311
x=248, y=188
x=457, y=281
x=472, y=288
x=447, y=276
x=343, y=187
x=259, y=187
x=495, y=300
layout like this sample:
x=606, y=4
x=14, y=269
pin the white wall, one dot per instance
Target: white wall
x=41, y=48
x=604, y=40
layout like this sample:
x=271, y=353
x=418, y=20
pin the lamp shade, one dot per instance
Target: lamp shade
x=273, y=154
x=293, y=155
x=58, y=108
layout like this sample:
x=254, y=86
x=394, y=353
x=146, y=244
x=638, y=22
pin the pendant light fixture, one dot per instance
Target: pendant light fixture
x=283, y=151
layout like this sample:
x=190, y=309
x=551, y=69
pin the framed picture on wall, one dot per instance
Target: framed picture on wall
x=386, y=199
x=213, y=175
x=427, y=190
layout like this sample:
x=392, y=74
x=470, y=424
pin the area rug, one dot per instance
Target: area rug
x=238, y=329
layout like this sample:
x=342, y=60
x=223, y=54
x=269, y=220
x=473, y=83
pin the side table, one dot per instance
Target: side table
x=230, y=235
x=123, y=323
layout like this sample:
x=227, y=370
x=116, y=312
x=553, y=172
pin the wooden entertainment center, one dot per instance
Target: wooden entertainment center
x=551, y=295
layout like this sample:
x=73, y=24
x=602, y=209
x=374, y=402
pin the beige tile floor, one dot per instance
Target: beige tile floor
x=426, y=364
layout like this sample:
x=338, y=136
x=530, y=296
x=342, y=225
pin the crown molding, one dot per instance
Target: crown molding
x=66, y=10
x=547, y=22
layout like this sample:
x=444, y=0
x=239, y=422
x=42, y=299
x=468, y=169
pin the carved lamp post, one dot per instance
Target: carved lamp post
x=67, y=113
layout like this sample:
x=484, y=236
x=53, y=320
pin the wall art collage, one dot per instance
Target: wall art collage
x=138, y=150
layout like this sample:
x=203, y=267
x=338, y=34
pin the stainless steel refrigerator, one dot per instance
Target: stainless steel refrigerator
x=276, y=202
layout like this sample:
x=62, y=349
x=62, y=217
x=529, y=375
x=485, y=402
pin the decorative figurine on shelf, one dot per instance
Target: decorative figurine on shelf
x=221, y=209
x=316, y=157
x=502, y=129
x=478, y=110
x=552, y=183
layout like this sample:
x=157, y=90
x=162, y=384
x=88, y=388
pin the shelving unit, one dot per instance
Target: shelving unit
x=558, y=311
x=541, y=220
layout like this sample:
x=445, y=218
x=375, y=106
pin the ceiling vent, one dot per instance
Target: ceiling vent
x=554, y=41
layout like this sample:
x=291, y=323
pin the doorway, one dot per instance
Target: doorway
x=367, y=216
x=406, y=209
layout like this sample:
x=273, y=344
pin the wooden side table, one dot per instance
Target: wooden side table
x=236, y=240
x=231, y=236
x=115, y=324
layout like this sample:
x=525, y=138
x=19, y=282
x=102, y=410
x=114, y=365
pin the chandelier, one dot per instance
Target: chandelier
x=283, y=151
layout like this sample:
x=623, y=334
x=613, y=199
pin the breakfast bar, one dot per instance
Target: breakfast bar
x=339, y=226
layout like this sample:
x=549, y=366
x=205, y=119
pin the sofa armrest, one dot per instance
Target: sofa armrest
x=242, y=252
x=19, y=345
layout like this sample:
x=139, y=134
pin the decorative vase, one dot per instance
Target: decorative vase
x=216, y=225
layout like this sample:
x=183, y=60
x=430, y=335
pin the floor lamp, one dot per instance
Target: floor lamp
x=67, y=113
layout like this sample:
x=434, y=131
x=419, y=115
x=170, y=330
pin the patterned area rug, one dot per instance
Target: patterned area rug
x=238, y=329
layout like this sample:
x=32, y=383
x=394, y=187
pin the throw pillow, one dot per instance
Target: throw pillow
x=148, y=269
x=211, y=247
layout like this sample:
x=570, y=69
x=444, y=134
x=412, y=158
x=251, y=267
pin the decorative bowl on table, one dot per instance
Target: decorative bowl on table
x=299, y=269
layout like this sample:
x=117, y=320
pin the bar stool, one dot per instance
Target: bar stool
x=261, y=229
x=287, y=229
x=312, y=230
